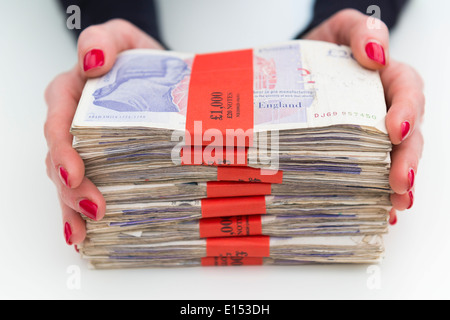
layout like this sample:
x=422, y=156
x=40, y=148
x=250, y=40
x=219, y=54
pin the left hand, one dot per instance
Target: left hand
x=98, y=47
x=403, y=89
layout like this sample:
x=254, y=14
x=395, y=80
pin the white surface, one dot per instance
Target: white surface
x=34, y=259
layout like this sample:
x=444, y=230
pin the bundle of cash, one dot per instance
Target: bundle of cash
x=342, y=249
x=132, y=216
x=294, y=131
x=145, y=192
x=107, y=263
x=351, y=223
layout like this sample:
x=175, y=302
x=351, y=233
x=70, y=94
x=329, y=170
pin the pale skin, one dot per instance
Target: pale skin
x=403, y=91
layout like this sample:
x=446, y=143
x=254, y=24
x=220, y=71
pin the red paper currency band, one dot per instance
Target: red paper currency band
x=213, y=156
x=220, y=189
x=234, y=226
x=252, y=246
x=232, y=261
x=227, y=173
x=223, y=207
x=220, y=99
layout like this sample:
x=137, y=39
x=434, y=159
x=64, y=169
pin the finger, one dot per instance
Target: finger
x=74, y=227
x=99, y=45
x=85, y=199
x=404, y=165
x=368, y=38
x=402, y=202
x=62, y=97
x=393, y=217
x=405, y=99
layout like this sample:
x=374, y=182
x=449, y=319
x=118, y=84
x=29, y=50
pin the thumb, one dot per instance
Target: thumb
x=368, y=39
x=99, y=45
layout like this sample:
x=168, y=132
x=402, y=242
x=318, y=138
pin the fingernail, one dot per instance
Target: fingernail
x=376, y=53
x=64, y=176
x=67, y=233
x=411, y=176
x=411, y=198
x=405, y=129
x=88, y=208
x=393, y=221
x=93, y=59
x=76, y=248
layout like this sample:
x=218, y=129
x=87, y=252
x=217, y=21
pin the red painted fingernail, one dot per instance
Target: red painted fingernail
x=405, y=129
x=393, y=221
x=376, y=53
x=93, y=59
x=76, y=248
x=64, y=176
x=89, y=208
x=411, y=177
x=67, y=233
x=411, y=198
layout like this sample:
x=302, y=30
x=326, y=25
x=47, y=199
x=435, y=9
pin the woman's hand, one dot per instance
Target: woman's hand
x=403, y=90
x=98, y=47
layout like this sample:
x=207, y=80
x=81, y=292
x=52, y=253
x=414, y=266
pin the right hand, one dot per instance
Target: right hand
x=403, y=88
x=98, y=47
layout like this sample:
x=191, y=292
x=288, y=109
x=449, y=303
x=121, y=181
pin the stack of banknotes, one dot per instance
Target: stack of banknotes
x=304, y=177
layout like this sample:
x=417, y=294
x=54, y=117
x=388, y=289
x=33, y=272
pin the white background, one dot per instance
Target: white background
x=35, y=261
